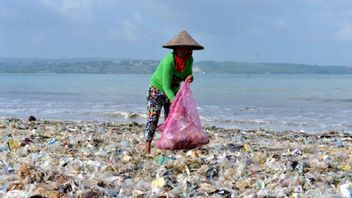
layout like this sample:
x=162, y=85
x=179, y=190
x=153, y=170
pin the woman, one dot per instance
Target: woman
x=174, y=68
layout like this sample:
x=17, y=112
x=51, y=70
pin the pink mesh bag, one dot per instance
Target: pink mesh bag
x=182, y=128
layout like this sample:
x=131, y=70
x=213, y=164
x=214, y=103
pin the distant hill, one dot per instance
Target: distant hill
x=124, y=66
x=89, y=65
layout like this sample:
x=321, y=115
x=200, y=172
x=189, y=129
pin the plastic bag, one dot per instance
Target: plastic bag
x=182, y=128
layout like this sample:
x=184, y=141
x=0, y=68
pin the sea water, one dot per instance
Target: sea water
x=307, y=102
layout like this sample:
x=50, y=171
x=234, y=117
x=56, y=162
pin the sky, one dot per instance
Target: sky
x=280, y=31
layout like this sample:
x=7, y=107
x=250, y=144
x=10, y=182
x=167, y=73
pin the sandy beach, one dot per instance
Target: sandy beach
x=105, y=159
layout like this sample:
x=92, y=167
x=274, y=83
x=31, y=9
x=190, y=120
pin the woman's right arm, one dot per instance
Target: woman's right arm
x=167, y=79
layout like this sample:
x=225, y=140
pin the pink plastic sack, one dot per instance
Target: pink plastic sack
x=182, y=128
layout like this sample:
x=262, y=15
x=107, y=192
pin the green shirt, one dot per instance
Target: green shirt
x=167, y=79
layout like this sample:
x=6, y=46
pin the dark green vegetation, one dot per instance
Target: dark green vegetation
x=124, y=66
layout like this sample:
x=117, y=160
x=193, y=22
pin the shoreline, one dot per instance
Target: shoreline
x=135, y=117
x=94, y=158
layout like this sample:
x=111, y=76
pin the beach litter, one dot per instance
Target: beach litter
x=346, y=190
x=104, y=159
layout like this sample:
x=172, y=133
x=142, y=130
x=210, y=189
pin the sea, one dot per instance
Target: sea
x=308, y=102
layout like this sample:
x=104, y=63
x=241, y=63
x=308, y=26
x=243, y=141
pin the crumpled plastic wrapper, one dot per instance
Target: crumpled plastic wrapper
x=95, y=159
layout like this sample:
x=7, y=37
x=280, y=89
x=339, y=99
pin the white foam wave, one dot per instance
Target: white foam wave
x=126, y=115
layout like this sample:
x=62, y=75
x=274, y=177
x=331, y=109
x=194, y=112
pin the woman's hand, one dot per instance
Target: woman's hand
x=189, y=78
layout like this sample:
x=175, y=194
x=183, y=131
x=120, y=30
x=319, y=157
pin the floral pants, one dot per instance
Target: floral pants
x=155, y=101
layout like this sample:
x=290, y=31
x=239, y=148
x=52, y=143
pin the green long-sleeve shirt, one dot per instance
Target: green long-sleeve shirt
x=167, y=79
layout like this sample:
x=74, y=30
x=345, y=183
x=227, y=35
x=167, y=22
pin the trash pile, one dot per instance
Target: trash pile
x=41, y=158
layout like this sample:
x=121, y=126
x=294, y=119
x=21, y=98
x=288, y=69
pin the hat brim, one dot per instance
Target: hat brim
x=193, y=47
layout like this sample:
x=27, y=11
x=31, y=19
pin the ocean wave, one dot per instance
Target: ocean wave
x=126, y=115
x=322, y=100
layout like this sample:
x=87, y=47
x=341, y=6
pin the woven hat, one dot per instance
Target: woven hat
x=183, y=39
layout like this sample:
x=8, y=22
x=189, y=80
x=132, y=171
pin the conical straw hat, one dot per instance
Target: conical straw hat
x=183, y=39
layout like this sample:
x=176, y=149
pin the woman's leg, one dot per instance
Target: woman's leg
x=154, y=105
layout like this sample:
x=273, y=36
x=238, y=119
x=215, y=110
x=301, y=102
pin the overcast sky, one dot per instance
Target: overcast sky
x=293, y=31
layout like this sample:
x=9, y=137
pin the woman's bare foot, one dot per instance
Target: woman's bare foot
x=147, y=147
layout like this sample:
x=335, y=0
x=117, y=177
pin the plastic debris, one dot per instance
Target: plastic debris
x=346, y=190
x=51, y=141
x=104, y=159
x=163, y=159
x=159, y=182
x=246, y=147
x=16, y=194
x=13, y=145
x=297, y=152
